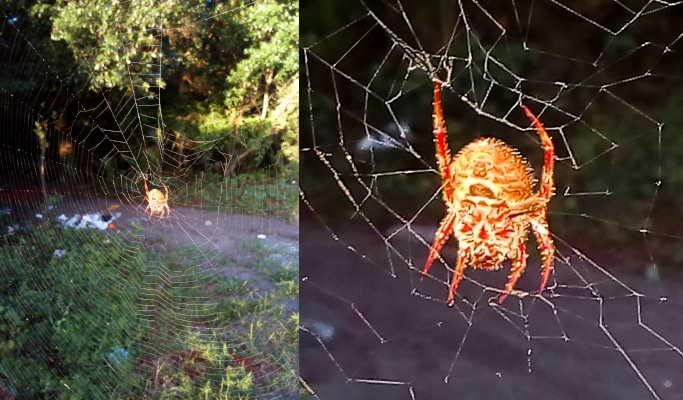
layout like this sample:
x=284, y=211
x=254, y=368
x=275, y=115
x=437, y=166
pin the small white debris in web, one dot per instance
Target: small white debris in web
x=261, y=236
x=59, y=253
x=323, y=330
x=39, y=216
x=208, y=223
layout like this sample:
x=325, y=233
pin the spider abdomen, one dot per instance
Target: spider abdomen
x=489, y=166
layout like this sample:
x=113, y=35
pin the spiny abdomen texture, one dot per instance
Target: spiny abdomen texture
x=491, y=168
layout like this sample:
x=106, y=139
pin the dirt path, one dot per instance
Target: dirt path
x=230, y=243
x=370, y=335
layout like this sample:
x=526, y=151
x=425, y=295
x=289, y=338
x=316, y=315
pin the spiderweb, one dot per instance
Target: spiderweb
x=597, y=74
x=100, y=301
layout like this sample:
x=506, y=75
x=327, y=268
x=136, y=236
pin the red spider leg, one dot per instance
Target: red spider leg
x=547, y=187
x=166, y=190
x=143, y=214
x=518, y=266
x=442, y=235
x=457, y=276
x=443, y=158
x=547, y=248
x=547, y=191
x=443, y=154
x=146, y=189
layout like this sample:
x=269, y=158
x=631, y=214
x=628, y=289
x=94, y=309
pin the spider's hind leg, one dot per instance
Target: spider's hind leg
x=518, y=266
x=457, y=276
x=442, y=235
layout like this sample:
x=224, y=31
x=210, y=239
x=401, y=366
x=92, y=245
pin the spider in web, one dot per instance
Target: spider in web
x=487, y=188
x=157, y=202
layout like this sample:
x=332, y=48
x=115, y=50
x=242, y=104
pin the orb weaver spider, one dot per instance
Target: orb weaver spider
x=157, y=202
x=487, y=188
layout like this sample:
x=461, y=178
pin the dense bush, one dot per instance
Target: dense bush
x=65, y=320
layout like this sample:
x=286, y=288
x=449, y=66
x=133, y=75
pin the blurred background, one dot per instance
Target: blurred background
x=604, y=77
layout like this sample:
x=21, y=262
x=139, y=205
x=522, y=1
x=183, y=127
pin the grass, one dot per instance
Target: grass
x=273, y=192
x=191, y=333
x=258, y=331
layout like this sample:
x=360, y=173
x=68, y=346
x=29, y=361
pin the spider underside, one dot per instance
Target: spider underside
x=488, y=191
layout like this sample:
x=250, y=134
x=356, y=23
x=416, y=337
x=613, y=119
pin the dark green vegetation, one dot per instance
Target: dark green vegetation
x=126, y=323
x=617, y=90
x=264, y=193
x=225, y=74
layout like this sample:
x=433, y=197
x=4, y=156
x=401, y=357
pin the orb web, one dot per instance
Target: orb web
x=597, y=76
x=99, y=299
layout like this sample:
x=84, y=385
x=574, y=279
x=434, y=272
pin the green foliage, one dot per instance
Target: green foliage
x=227, y=71
x=272, y=56
x=93, y=31
x=207, y=369
x=62, y=317
x=264, y=193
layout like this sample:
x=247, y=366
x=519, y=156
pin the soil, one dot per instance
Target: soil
x=223, y=234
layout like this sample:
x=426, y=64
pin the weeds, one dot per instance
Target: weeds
x=110, y=318
x=271, y=192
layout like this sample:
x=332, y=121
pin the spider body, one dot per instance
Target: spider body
x=157, y=202
x=488, y=190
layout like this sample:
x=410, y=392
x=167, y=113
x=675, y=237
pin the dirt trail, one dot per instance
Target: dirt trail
x=225, y=238
x=410, y=345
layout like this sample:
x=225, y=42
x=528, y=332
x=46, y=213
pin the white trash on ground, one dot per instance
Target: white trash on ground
x=94, y=220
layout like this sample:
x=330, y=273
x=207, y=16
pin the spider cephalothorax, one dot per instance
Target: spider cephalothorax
x=488, y=189
x=157, y=202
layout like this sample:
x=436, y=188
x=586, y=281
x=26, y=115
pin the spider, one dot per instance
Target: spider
x=487, y=188
x=157, y=202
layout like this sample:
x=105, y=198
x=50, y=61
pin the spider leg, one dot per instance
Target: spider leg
x=518, y=266
x=547, y=186
x=166, y=190
x=457, y=276
x=146, y=189
x=146, y=210
x=442, y=235
x=443, y=154
x=547, y=248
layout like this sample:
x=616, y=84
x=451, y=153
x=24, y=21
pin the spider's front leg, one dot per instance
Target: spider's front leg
x=547, y=184
x=547, y=248
x=443, y=153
